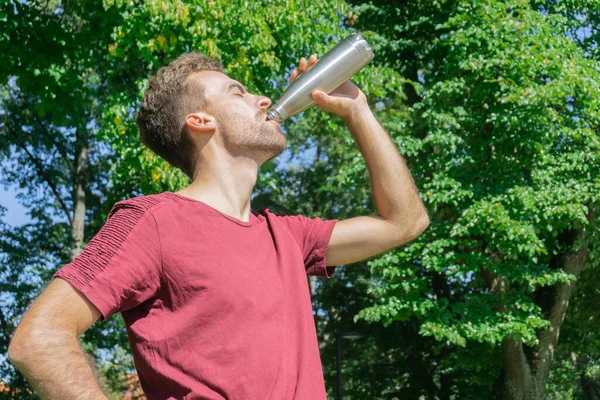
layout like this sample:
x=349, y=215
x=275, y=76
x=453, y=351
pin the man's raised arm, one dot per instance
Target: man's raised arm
x=401, y=216
x=46, y=349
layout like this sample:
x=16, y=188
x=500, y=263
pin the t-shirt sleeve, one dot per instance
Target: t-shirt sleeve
x=312, y=235
x=120, y=267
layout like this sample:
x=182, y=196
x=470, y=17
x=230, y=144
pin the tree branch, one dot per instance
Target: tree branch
x=56, y=144
x=44, y=175
x=4, y=327
x=573, y=263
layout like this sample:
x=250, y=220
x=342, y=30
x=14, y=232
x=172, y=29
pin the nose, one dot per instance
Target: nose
x=263, y=102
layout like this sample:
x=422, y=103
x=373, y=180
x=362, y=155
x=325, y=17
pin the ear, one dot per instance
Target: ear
x=201, y=122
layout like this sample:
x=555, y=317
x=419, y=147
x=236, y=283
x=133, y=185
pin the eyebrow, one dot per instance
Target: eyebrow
x=237, y=85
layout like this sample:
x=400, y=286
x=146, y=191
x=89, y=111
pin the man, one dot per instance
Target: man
x=214, y=295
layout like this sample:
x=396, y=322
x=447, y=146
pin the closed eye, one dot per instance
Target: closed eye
x=237, y=89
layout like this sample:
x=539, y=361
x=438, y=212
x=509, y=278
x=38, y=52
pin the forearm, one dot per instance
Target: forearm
x=56, y=366
x=394, y=192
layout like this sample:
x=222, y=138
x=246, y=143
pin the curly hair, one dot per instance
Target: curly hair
x=168, y=99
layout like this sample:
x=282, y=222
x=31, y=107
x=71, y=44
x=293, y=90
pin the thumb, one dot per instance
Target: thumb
x=326, y=102
x=323, y=98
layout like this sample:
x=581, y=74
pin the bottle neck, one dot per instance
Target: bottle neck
x=274, y=115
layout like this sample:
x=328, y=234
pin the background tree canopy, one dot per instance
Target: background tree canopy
x=494, y=105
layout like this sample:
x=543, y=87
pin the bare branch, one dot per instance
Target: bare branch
x=44, y=175
x=573, y=263
x=58, y=146
x=4, y=327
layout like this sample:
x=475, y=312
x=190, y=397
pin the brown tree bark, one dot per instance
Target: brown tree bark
x=518, y=380
x=525, y=377
x=79, y=184
x=548, y=339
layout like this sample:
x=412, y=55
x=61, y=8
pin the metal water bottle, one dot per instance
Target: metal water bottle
x=337, y=66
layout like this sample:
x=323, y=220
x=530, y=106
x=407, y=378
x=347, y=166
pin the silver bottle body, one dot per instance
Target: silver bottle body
x=338, y=65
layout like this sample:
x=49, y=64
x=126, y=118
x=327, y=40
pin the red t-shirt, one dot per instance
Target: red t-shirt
x=215, y=307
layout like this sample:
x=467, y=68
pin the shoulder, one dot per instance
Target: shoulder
x=282, y=216
x=137, y=207
x=271, y=215
x=266, y=212
x=292, y=223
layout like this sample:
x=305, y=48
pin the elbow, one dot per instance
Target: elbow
x=423, y=222
x=410, y=229
x=16, y=353
x=24, y=346
x=419, y=225
x=414, y=228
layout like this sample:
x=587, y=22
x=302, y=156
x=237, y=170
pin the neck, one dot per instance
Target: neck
x=225, y=183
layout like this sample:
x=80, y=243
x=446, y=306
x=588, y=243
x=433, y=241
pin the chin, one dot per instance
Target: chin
x=276, y=149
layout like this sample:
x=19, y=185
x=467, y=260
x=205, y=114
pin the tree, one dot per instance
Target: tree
x=501, y=128
x=493, y=105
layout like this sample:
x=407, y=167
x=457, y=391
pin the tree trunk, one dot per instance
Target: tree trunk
x=312, y=284
x=525, y=379
x=544, y=354
x=79, y=183
x=517, y=373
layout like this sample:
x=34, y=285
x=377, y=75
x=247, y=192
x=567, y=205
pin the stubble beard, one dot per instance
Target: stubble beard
x=253, y=138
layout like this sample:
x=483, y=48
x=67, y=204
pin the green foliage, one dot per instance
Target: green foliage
x=503, y=120
x=494, y=105
x=51, y=96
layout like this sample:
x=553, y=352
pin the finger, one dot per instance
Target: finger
x=312, y=61
x=302, y=66
x=293, y=76
x=326, y=101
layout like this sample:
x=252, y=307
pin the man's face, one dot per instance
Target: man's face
x=240, y=116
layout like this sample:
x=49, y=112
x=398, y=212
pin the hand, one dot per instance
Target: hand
x=344, y=101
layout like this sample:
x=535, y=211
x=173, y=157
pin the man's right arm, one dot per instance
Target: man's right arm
x=45, y=346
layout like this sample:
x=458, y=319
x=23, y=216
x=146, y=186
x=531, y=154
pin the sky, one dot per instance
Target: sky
x=16, y=214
